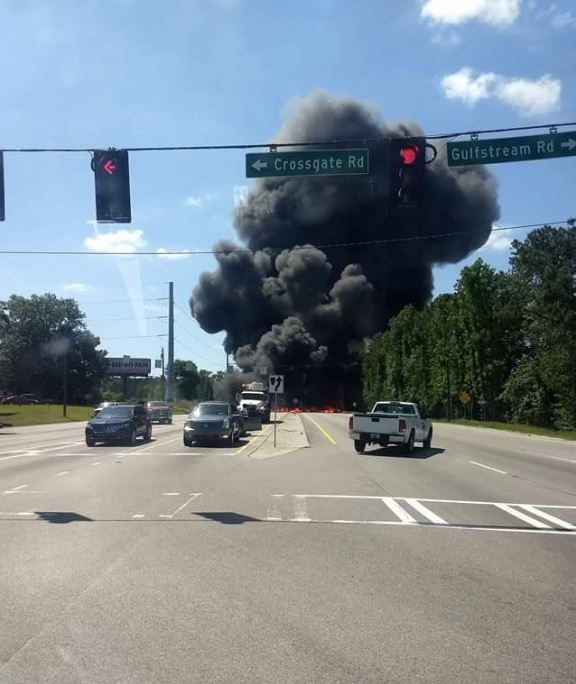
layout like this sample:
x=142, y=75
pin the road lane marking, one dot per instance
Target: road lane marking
x=96, y=463
x=16, y=489
x=322, y=430
x=153, y=446
x=262, y=435
x=169, y=516
x=64, y=472
x=495, y=470
x=170, y=493
x=300, y=511
x=426, y=512
x=139, y=515
x=397, y=509
x=274, y=507
x=522, y=516
x=546, y=516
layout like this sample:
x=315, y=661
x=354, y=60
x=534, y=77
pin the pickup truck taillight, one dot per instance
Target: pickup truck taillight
x=402, y=425
x=350, y=422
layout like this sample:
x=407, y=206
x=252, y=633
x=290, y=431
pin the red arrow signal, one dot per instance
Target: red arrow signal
x=109, y=166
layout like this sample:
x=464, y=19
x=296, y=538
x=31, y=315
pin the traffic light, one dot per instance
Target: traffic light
x=2, y=213
x=406, y=179
x=112, y=183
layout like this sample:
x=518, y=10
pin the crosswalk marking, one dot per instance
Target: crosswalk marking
x=397, y=509
x=550, y=518
x=301, y=513
x=522, y=516
x=426, y=512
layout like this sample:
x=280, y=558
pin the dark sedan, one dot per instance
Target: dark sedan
x=213, y=421
x=122, y=423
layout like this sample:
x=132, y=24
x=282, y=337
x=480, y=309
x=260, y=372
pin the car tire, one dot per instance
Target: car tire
x=133, y=436
x=359, y=445
x=231, y=438
x=90, y=442
x=169, y=421
x=427, y=443
x=148, y=434
x=187, y=442
x=409, y=446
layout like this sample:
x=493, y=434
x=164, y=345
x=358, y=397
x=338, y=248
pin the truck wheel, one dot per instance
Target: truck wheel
x=359, y=445
x=427, y=444
x=409, y=446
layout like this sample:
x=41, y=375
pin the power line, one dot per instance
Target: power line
x=308, y=143
x=131, y=318
x=181, y=327
x=131, y=337
x=125, y=301
x=245, y=250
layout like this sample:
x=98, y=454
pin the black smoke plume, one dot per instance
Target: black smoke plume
x=297, y=300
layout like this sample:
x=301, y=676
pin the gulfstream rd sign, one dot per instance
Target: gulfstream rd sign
x=500, y=150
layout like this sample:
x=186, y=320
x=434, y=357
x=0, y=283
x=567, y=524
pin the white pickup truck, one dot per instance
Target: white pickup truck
x=391, y=422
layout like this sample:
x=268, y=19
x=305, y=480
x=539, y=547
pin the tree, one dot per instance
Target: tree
x=187, y=379
x=43, y=337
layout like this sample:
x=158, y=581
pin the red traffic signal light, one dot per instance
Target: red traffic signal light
x=409, y=154
x=112, y=184
x=406, y=175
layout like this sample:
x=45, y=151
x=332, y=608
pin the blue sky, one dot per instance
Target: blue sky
x=136, y=72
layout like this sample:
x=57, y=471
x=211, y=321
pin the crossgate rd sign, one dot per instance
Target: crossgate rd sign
x=341, y=162
x=276, y=384
x=500, y=150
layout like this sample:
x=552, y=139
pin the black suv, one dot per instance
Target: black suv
x=122, y=423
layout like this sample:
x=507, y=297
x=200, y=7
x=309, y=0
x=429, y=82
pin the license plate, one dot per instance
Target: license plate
x=373, y=436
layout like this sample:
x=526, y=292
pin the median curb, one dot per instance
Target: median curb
x=290, y=436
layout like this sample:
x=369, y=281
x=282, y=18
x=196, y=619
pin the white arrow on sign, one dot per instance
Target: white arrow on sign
x=259, y=165
x=276, y=384
x=570, y=144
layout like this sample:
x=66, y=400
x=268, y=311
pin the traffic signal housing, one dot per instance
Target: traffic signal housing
x=112, y=184
x=2, y=212
x=406, y=175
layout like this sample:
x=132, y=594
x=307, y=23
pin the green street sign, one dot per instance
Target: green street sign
x=341, y=162
x=501, y=150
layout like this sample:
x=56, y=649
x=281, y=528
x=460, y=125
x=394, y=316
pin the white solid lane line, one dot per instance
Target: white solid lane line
x=550, y=518
x=300, y=510
x=63, y=472
x=15, y=489
x=494, y=470
x=426, y=512
x=397, y=509
x=522, y=516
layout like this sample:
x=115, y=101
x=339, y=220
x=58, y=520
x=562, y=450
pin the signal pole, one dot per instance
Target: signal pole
x=169, y=396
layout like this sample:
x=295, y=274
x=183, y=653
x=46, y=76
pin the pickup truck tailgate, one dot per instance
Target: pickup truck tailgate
x=375, y=424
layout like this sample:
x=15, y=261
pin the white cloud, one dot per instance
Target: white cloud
x=192, y=201
x=465, y=85
x=563, y=20
x=499, y=241
x=198, y=201
x=529, y=97
x=76, y=287
x=493, y=12
x=117, y=241
x=165, y=254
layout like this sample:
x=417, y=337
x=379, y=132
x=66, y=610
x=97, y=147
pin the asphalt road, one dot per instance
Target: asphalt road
x=164, y=564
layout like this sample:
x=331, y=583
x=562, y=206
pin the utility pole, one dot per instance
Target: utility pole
x=163, y=375
x=169, y=395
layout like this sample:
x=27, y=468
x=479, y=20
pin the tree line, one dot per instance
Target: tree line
x=47, y=350
x=504, y=340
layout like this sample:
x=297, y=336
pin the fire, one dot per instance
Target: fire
x=312, y=409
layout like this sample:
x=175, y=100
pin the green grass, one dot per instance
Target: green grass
x=514, y=427
x=42, y=414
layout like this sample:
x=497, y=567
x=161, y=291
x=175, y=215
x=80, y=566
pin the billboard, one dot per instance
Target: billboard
x=128, y=366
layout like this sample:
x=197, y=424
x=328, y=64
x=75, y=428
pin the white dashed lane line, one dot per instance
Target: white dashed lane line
x=487, y=467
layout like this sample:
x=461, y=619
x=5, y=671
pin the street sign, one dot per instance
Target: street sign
x=339, y=162
x=276, y=384
x=464, y=397
x=128, y=366
x=501, y=150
